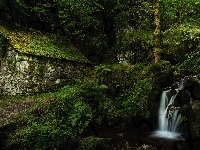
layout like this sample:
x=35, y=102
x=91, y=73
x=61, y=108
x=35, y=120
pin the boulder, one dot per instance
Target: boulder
x=183, y=97
x=193, y=85
x=190, y=91
x=190, y=110
x=195, y=122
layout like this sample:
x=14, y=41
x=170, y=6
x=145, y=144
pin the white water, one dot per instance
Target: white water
x=168, y=126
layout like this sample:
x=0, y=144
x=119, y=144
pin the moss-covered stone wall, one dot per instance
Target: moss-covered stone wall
x=24, y=73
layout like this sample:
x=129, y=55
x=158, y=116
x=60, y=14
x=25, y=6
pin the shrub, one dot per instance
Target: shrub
x=191, y=64
x=179, y=41
x=138, y=99
x=54, y=121
x=133, y=45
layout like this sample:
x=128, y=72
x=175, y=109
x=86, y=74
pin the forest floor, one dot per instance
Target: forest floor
x=145, y=140
x=140, y=139
x=10, y=108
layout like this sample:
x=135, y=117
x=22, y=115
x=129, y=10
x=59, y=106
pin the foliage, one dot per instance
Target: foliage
x=163, y=70
x=82, y=22
x=179, y=41
x=101, y=26
x=61, y=116
x=191, y=64
x=117, y=92
x=132, y=13
x=90, y=25
x=138, y=99
x=49, y=124
x=131, y=87
x=147, y=147
x=65, y=114
x=134, y=28
x=175, y=12
x=37, y=43
x=134, y=44
x=119, y=76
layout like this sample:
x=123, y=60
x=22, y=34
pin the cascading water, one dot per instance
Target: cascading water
x=169, y=120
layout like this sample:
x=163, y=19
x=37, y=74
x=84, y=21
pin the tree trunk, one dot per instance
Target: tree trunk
x=156, y=34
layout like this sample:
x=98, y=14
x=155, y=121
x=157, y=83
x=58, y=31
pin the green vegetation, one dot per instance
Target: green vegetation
x=115, y=93
x=191, y=64
x=178, y=42
x=58, y=117
x=41, y=44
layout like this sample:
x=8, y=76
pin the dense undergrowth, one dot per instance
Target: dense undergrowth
x=115, y=93
x=181, y=48
x=180, y=42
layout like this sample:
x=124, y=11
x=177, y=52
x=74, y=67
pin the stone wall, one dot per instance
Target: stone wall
x=26, y=74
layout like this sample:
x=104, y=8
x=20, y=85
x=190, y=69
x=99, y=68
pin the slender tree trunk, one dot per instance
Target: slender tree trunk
x=156, y=34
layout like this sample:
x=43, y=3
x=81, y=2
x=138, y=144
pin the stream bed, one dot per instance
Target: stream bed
x=144, y=140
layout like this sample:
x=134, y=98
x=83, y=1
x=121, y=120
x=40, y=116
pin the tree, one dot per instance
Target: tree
x=156, y=34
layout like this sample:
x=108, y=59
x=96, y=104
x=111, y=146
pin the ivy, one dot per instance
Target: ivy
x=37, y=43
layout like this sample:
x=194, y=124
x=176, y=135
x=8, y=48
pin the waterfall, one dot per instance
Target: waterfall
x=169, y=123
x=169, y=119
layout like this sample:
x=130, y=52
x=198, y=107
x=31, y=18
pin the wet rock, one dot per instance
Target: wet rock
x=183, y=97
x=193, y=85
x=195, y=121
x=190, y=91
x=188, y=99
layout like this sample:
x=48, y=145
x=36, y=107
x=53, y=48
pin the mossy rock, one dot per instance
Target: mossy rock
x=195, y=122
x=38, y=43
x=193, y=84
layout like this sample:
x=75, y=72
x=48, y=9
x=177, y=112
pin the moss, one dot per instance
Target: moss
x=41, y=44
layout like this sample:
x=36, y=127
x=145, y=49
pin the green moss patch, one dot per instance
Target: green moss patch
x=30, y=41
